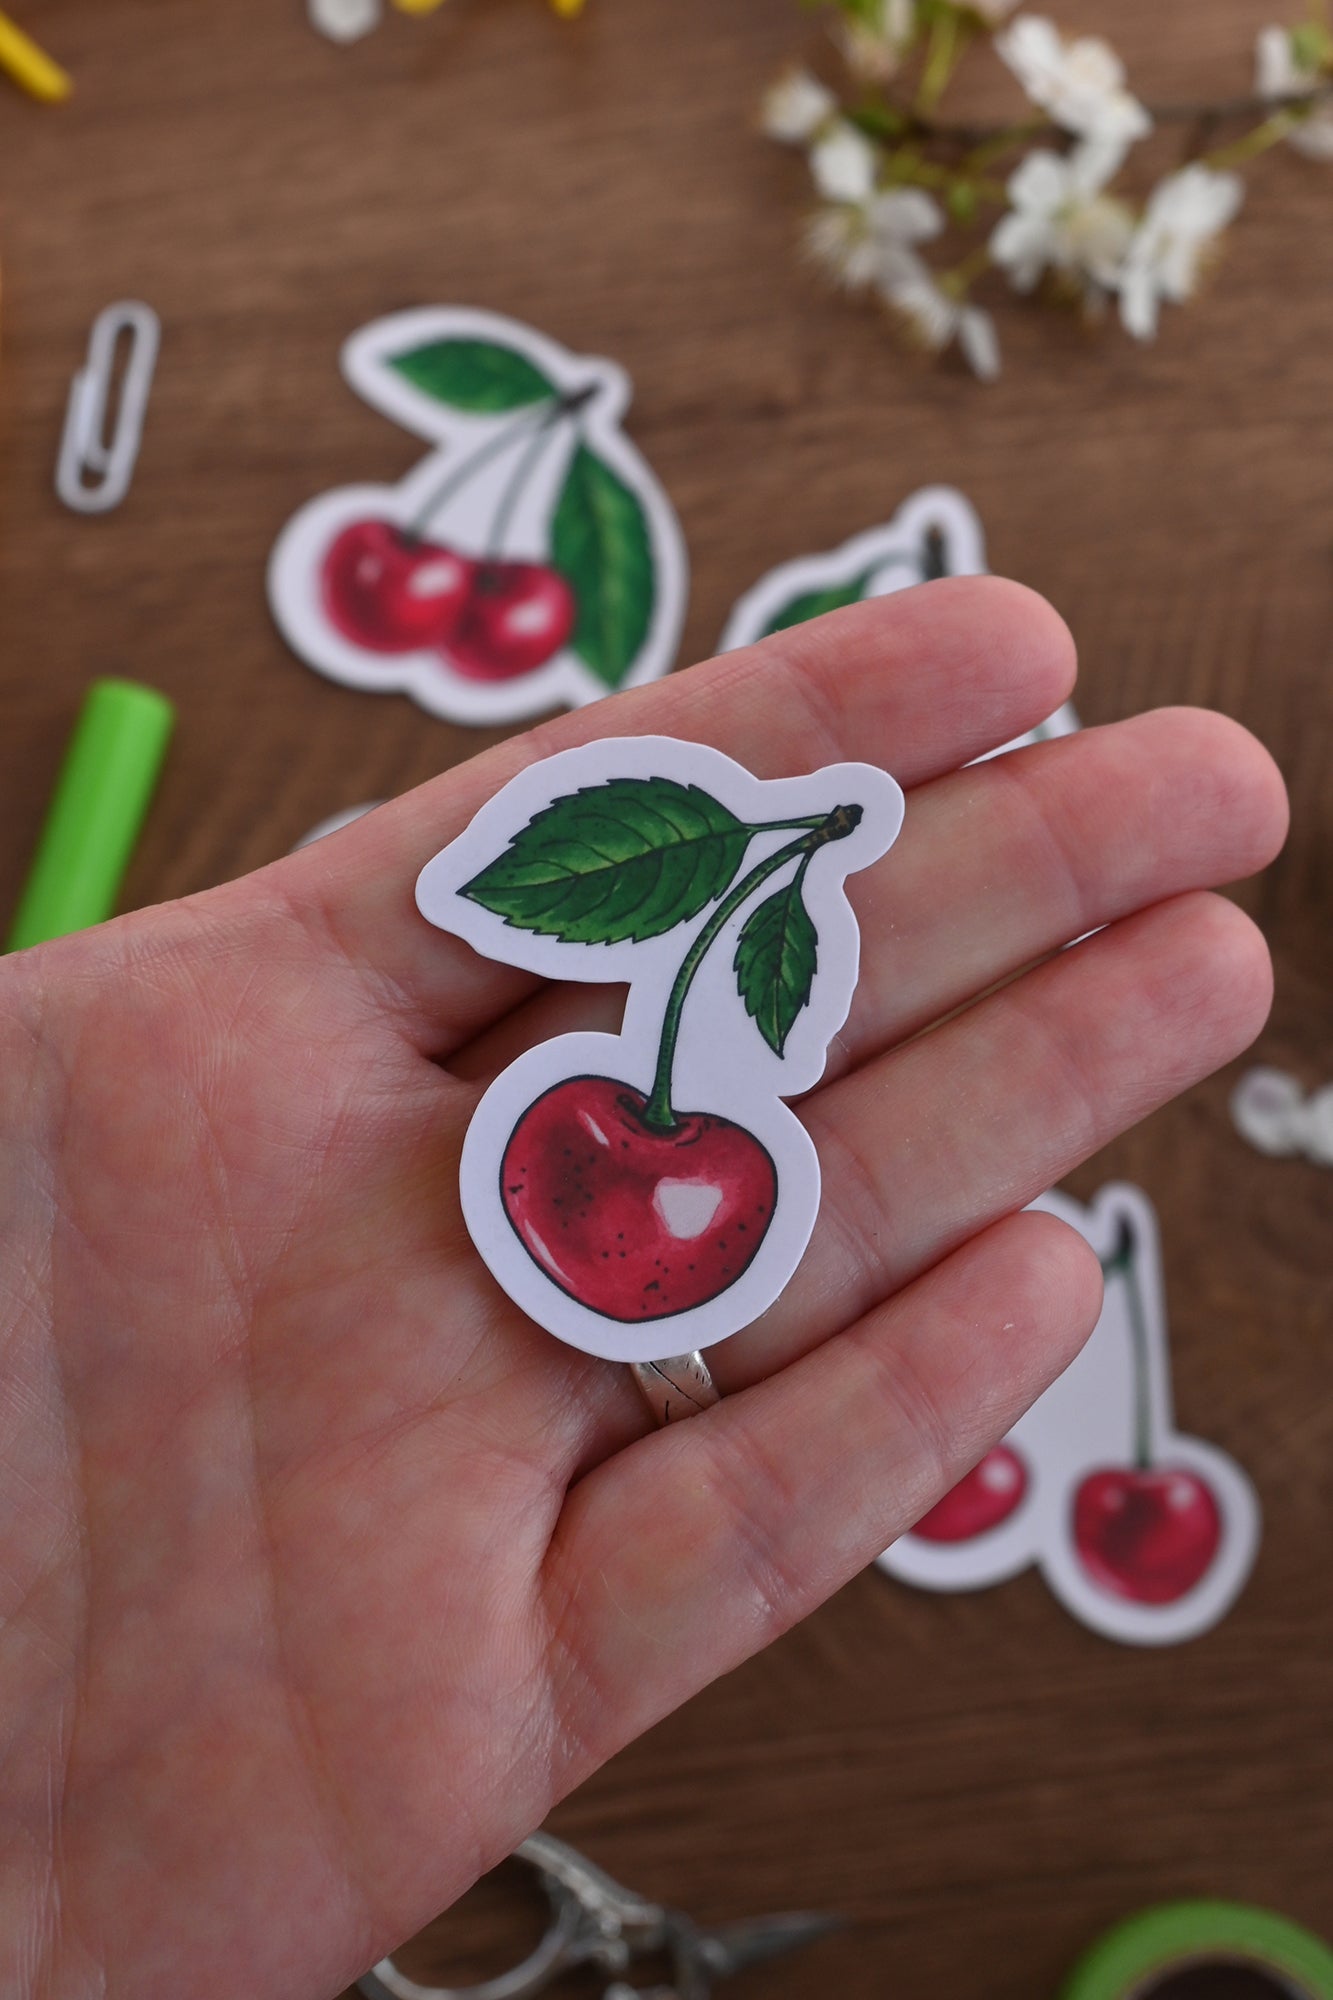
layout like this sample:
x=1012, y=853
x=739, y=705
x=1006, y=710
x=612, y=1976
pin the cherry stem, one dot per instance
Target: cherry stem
x=518, y=479
x=1123, y=1262
x=544, y=417
x=818, y=832
x=934, y=554
x=458, y=475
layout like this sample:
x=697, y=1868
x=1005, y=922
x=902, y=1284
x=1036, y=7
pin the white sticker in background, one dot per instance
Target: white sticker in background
x=530, y=561
x=934, y=533
x=1144, y=1534
x=646, y=1193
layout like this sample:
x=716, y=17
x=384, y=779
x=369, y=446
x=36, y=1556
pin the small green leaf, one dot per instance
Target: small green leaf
x=600, y=544
x=962, y=201
x=814, y=603
x=1311, y=46
x=775, y=962
x=629, y=859
x=473, y=375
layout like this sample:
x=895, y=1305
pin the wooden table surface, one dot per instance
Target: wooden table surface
x=977, y=1782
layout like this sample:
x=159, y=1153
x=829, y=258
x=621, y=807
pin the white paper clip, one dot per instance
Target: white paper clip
x=86, y=452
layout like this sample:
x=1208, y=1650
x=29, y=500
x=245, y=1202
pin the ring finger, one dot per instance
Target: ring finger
x=925, y=1146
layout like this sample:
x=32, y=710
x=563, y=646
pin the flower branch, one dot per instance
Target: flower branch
x=894, y=176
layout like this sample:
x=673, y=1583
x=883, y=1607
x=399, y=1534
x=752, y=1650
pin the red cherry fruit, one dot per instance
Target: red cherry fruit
x=634, y=1223
x=391, y=593
x=1148, y=1534
x=984, y=1497
x=518, y=615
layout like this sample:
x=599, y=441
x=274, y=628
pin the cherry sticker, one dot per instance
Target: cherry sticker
x=1143, y=1533
x=646, y=1193
x=530, y=561
x=936, y=532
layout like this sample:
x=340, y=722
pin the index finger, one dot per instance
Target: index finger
x=919, y=683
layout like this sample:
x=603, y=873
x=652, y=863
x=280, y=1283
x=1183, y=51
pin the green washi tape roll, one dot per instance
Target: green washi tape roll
x=96, y=811
x=1139, y=1958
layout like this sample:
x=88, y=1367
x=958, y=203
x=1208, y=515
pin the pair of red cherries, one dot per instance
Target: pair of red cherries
x=1146, y=1533
x=638, y=1224
x=388, y=590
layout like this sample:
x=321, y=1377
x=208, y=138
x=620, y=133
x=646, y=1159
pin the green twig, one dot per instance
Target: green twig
x=959, y=280
x=1270, y=133
x=942, y=53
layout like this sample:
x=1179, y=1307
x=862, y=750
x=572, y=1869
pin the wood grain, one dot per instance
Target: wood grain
x=977, y=1783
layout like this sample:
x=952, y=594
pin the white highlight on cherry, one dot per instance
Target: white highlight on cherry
x=686, y=1207
x=999, y=1475
x=434, y=578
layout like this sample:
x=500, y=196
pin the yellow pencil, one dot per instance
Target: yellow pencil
x=31, y=68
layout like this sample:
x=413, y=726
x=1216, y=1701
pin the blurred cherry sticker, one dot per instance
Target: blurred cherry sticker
x=936, y=532
x=650, y=1192
x=1144, y=1534
x=529, y=561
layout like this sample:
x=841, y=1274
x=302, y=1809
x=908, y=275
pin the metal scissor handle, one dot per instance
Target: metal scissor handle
x=594, y=1921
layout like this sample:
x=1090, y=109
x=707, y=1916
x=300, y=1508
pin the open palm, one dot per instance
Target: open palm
x=323, y=1572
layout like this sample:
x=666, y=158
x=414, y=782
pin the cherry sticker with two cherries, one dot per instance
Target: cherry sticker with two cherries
x=1142, y=1532
x=529, y=561
x=651, y=1192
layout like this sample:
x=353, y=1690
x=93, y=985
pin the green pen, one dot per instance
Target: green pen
x=101, y=797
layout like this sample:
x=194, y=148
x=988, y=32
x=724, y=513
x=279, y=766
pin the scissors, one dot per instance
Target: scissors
x=595, y=1922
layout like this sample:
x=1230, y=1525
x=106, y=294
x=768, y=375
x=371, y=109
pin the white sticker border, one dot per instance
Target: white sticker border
x=722, y=1064
x=293, y=569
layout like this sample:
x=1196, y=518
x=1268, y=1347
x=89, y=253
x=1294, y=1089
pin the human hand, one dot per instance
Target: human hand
x=323, y=1572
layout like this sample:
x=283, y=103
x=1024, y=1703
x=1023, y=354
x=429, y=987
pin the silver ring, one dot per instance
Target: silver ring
x=679, y=1387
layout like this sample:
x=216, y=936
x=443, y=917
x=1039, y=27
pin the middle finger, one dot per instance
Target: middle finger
x=1004, y=862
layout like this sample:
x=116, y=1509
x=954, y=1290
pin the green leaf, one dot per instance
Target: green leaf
x=473, y=375
x=776, y=961
x=814, y=603
x=961, y=201
x=629, y=859
x=600, y=543
x=1311, y=46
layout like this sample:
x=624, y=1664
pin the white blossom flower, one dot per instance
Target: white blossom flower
x=1081, y=84
x=1283, y=68
x=873, y=44
x=871, y=243
x=933, y=319
x=843, y=162
x=904, y=215
x=1185, y=215
x=344, y=20
x=1061, y=219
x=795, y=107
x=1271, y=1110
x=1266, y=1108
